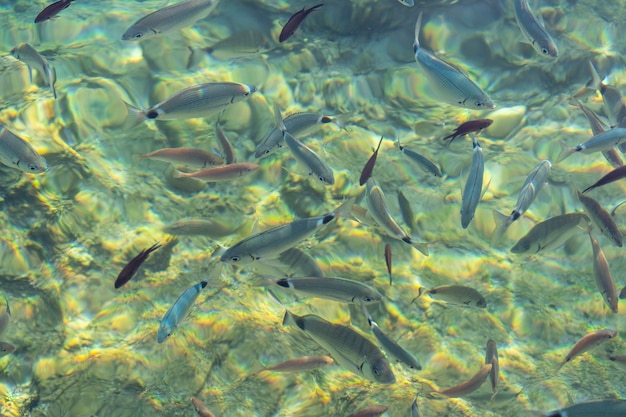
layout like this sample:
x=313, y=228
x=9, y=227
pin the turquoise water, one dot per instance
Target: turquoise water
x=86, y=349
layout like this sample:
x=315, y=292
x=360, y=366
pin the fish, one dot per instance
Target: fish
x=5, y=317
x=473, y=187
x=131, y=267
x=468, y=386
x=304, y=363
x=342, y=290
x=295, y=21
x=198, y=101
x=348, y=347
x=471, y=126
x=615, y=175
x=6, y=349
x=594, y=408
x=191, y=157
x=52, y=10
x=600, y=142
x=388, y=260
x=535, y=181
x=15, y=152
x=220, y=173
x=227, y=148
x=415, y=411
x=201, y=409
x=491, y=357
x=450, y=85
x=424, y=163
x=169, y=19
x=454, y=294
x=407, y=3
x=380, y=213
x=602, y=275
x=193, y=226
x=533, y=30
x=601, y=219
x=614, y=104
x=177, y=311
x=238, y=44
x=550, y=234
x=622, y=293
x=391, y=347
x=371, y=411
x=301, y=262
x=406, y=210
x=314, y=164
x=366, y=173
x=272, y=242
x=586, y=343
x=34, y=60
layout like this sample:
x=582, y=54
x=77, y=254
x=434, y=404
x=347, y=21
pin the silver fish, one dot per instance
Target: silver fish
x=6, y=349
x=34, y=60
x=193, y=226
x=15, y=152
x=551, y=233
x=534, y=31
x=200, y=100
x=227, y=148
x=336, y=289
x=602, y=275
x=614, y=104
x=407, y=3
x=169, y=19
x=191, y=157
x=177, y=311
x=314, y=164
x=601, y=219
x=597, y=143
x=270, y=243
x=415, y=411
x=423, y=162
x=587, y=342
x=473, y=187
x=304, y=363
x=532, y=186
x=348, y=347
x=380, y=213
x=596, y=408
x=455, y=294
x=450, y=84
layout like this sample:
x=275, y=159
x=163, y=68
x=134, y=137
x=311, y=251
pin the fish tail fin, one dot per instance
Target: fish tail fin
x=595, y=82
x=418, y=27
x=289, y=319
x=502, y=223
x=52, y=77
x=421, y=246
x=258, y=367
x=280, y=125
x=421, y=291
x=345, y=209
x=262, y=281
x=341, y=120
x=134, y=116
x=178, y=174
x=565, y=152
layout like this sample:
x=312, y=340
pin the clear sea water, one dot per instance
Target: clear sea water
x=86, y=349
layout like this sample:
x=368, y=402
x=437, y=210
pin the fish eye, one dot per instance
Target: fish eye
x=479, y=104
x=321, y=178
x=376, y=371
x=545, y=51
x=32, y=167
x=138, y=35
x=235, y=258
x=368, y=299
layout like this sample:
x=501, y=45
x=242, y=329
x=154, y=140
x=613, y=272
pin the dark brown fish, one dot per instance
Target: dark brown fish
x=471, y=126
x=52, y=10
x=294, y=22
x=388, y=260
x=616, y=174
x=131, y=268
x=369, y=165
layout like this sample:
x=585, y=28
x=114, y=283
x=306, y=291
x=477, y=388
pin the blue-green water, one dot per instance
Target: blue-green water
x=86, y=349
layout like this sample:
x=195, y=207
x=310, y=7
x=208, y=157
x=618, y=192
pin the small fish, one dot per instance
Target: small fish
x=491, y=357
x=468, y=386
x=342, y=290
x=305, y=363
x=415, y=411
x=177, y=311
x=406, y=210
x=600, y=142
x=614, y=105
x=169, y=19
x=602, y=275
x=227, y=148
x=193, y=226
x=348, y=347
x=423, y=162
x=388, y=260
x=371, y=411
x=586, y=343
x=601, y=219
x=407, y=3
x=220, y=173
x=198, y=101
x=534, y=31
x=551, y=233
x=300, y=262
x=450, y=85
x=294, y=22
x=5, y=317
x=455, y=294
x=15, y=152
x=314, y=164
x=380, y=213
x=201, y=409
x=615, y=175
x=366, y=173
x=131, y=267
x=34, y=60
x=473, y=186
x=52, y=10
x=191, y=157
x=6, y=349
x=595, y=408
x=471, y=126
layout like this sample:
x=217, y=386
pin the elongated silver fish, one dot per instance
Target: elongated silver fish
x=601, y=219
x=551, y=233
x=534, y=31
x=15, y=152
x=191, y=157
x=473, y=187
x=614, y=104
x=220, y=173
x=421, y=161
x=348, y=347
x=407, y=3
x=34, y=60
x=227, y=148
x=450, y=85
x=587, y=342
x=304, y=363
x=177, y=311
x=600, y=142
x=314, y=164
x=380, y=213
x=602, y=275
x=270, y=243
x=597, y=408
x=532, y=186
x=337, y=289
x=193, y=226
x=169, y=19
x=455, y=294
x=201, y=100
